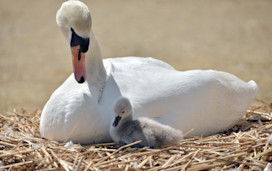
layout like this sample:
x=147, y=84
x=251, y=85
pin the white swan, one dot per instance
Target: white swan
x=125, y=130
x=204, y=100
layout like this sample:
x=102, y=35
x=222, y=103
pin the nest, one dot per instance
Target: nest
x=248, y=145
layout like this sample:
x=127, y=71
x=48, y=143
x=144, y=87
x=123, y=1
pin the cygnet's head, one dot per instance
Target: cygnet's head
x=122, y=109
x=74, y=20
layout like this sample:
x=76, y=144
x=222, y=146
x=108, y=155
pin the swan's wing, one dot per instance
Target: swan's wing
x=206, y=100
x=150, y=84
x=136, y=63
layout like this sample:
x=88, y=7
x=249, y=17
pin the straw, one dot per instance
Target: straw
x=246, y=146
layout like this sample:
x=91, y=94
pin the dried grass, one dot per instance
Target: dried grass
x=247, y=146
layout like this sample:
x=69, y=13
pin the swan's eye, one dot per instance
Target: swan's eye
x=77, y=40
x=123, y=112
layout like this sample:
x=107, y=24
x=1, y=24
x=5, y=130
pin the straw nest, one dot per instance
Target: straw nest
x=248, y=145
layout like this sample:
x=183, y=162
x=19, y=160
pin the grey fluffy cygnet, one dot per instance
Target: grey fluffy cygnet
x=125, y=129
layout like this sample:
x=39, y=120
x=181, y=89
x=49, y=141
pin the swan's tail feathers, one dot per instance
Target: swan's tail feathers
x=253, y=89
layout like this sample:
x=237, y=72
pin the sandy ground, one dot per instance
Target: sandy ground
x=231, y=35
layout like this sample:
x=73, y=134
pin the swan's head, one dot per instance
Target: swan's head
x=122, y=109
x=74, y=20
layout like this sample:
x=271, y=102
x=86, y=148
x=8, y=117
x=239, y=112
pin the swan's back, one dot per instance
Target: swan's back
x=207, y=101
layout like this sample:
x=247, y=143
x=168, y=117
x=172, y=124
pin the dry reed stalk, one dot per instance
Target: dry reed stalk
x=245, y=146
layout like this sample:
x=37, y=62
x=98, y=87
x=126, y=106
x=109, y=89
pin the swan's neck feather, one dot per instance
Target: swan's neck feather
x=96, y=73
x=76, y=15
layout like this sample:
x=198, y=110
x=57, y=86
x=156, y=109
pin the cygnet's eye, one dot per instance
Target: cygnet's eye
x=123, y=112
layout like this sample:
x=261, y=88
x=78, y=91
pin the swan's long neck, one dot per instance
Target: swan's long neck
x=96, y=73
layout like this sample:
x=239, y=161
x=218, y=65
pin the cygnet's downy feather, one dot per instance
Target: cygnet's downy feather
x=125, y=129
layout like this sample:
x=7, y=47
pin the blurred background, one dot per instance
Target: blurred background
x=229, y=35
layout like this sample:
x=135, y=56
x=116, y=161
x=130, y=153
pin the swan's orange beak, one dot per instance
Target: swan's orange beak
x=79, y=64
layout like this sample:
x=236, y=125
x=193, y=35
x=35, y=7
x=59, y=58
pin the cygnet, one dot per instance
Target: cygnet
x=125, y=130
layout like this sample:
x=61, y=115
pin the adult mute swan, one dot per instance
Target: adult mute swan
x=125, y=130
x=81, y=109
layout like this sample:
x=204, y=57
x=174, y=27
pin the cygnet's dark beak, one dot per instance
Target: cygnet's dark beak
x=116, y=121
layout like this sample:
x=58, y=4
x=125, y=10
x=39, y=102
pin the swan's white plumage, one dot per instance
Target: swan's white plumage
x=207, y=101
